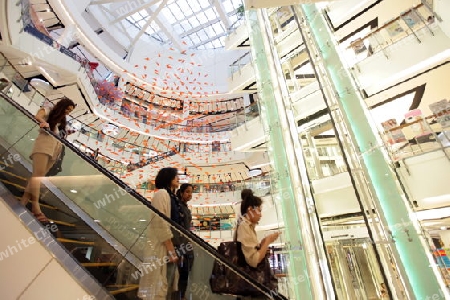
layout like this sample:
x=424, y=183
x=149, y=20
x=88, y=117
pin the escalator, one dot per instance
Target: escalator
x=102, y=224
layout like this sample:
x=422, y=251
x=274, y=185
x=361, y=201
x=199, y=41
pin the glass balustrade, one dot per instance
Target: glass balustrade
x=109, y=228
x=31, y=29
x=416, y=22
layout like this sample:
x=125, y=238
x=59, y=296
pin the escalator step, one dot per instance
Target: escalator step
x=122, y=288
x=13, y=184
x=62, y=223
x=13, y=175
x=69, y=241
x=96, y=265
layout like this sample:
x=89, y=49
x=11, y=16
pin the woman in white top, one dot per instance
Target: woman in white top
x=253, y=250
x=46, y=151
x=159, y=251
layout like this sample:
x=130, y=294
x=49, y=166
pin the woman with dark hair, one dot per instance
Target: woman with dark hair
x=154, y=284
x=254, y=251
x=46, y=151
x=187, y=257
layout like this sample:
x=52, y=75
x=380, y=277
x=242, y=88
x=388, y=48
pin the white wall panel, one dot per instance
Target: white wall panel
x=28, y=271
x=341, y=11
x=308, y=101
x=237, y=37
x=335, y=196
x=426, y=178
x=401, y=63
x=437, y=88
x=248, y=135
x=441, y=7
x=385, y=11
x=241, y=79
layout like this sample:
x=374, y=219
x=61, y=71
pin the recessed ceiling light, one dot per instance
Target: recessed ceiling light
x=31, y=139
x=74, y=191
x=142, y=220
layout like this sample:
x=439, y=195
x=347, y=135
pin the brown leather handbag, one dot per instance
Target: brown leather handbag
x=225, y=281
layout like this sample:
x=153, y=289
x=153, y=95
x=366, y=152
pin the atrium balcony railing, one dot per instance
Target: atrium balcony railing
x=84, y=63
x=419, y=136
x=415, y=137
x=416, y=21
x=100, y=136
x=240, y=63
x=259, y=184
x=24, y=89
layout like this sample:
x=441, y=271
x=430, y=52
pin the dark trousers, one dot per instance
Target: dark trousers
x=184, y=267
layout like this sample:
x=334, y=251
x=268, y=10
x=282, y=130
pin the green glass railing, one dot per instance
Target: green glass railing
x=110, y=228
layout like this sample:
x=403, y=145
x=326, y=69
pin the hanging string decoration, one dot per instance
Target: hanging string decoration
x=108, y=93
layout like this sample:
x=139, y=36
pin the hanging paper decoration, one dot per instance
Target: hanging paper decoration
x=108, y=93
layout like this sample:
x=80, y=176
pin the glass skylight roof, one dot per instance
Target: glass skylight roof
x=200, y=24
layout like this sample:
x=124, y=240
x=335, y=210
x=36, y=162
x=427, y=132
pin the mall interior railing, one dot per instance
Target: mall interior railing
x=415, y=21
x=240, y=63
x=419, y=136
x=235, y=120
x=415, y=137
x=118, y=167
x=260, y=185
x=106, y=228
x=30, y=28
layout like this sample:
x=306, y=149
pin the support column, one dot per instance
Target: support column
x=411, y=252
x=308, y=274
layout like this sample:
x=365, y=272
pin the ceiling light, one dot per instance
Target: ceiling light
x=74, y=191
x=142, y=220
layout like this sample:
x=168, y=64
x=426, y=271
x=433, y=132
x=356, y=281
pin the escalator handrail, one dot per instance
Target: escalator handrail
x=207, y=247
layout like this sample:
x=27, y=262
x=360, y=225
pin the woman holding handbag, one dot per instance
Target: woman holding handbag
x=253, y=250
x=46, y=151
